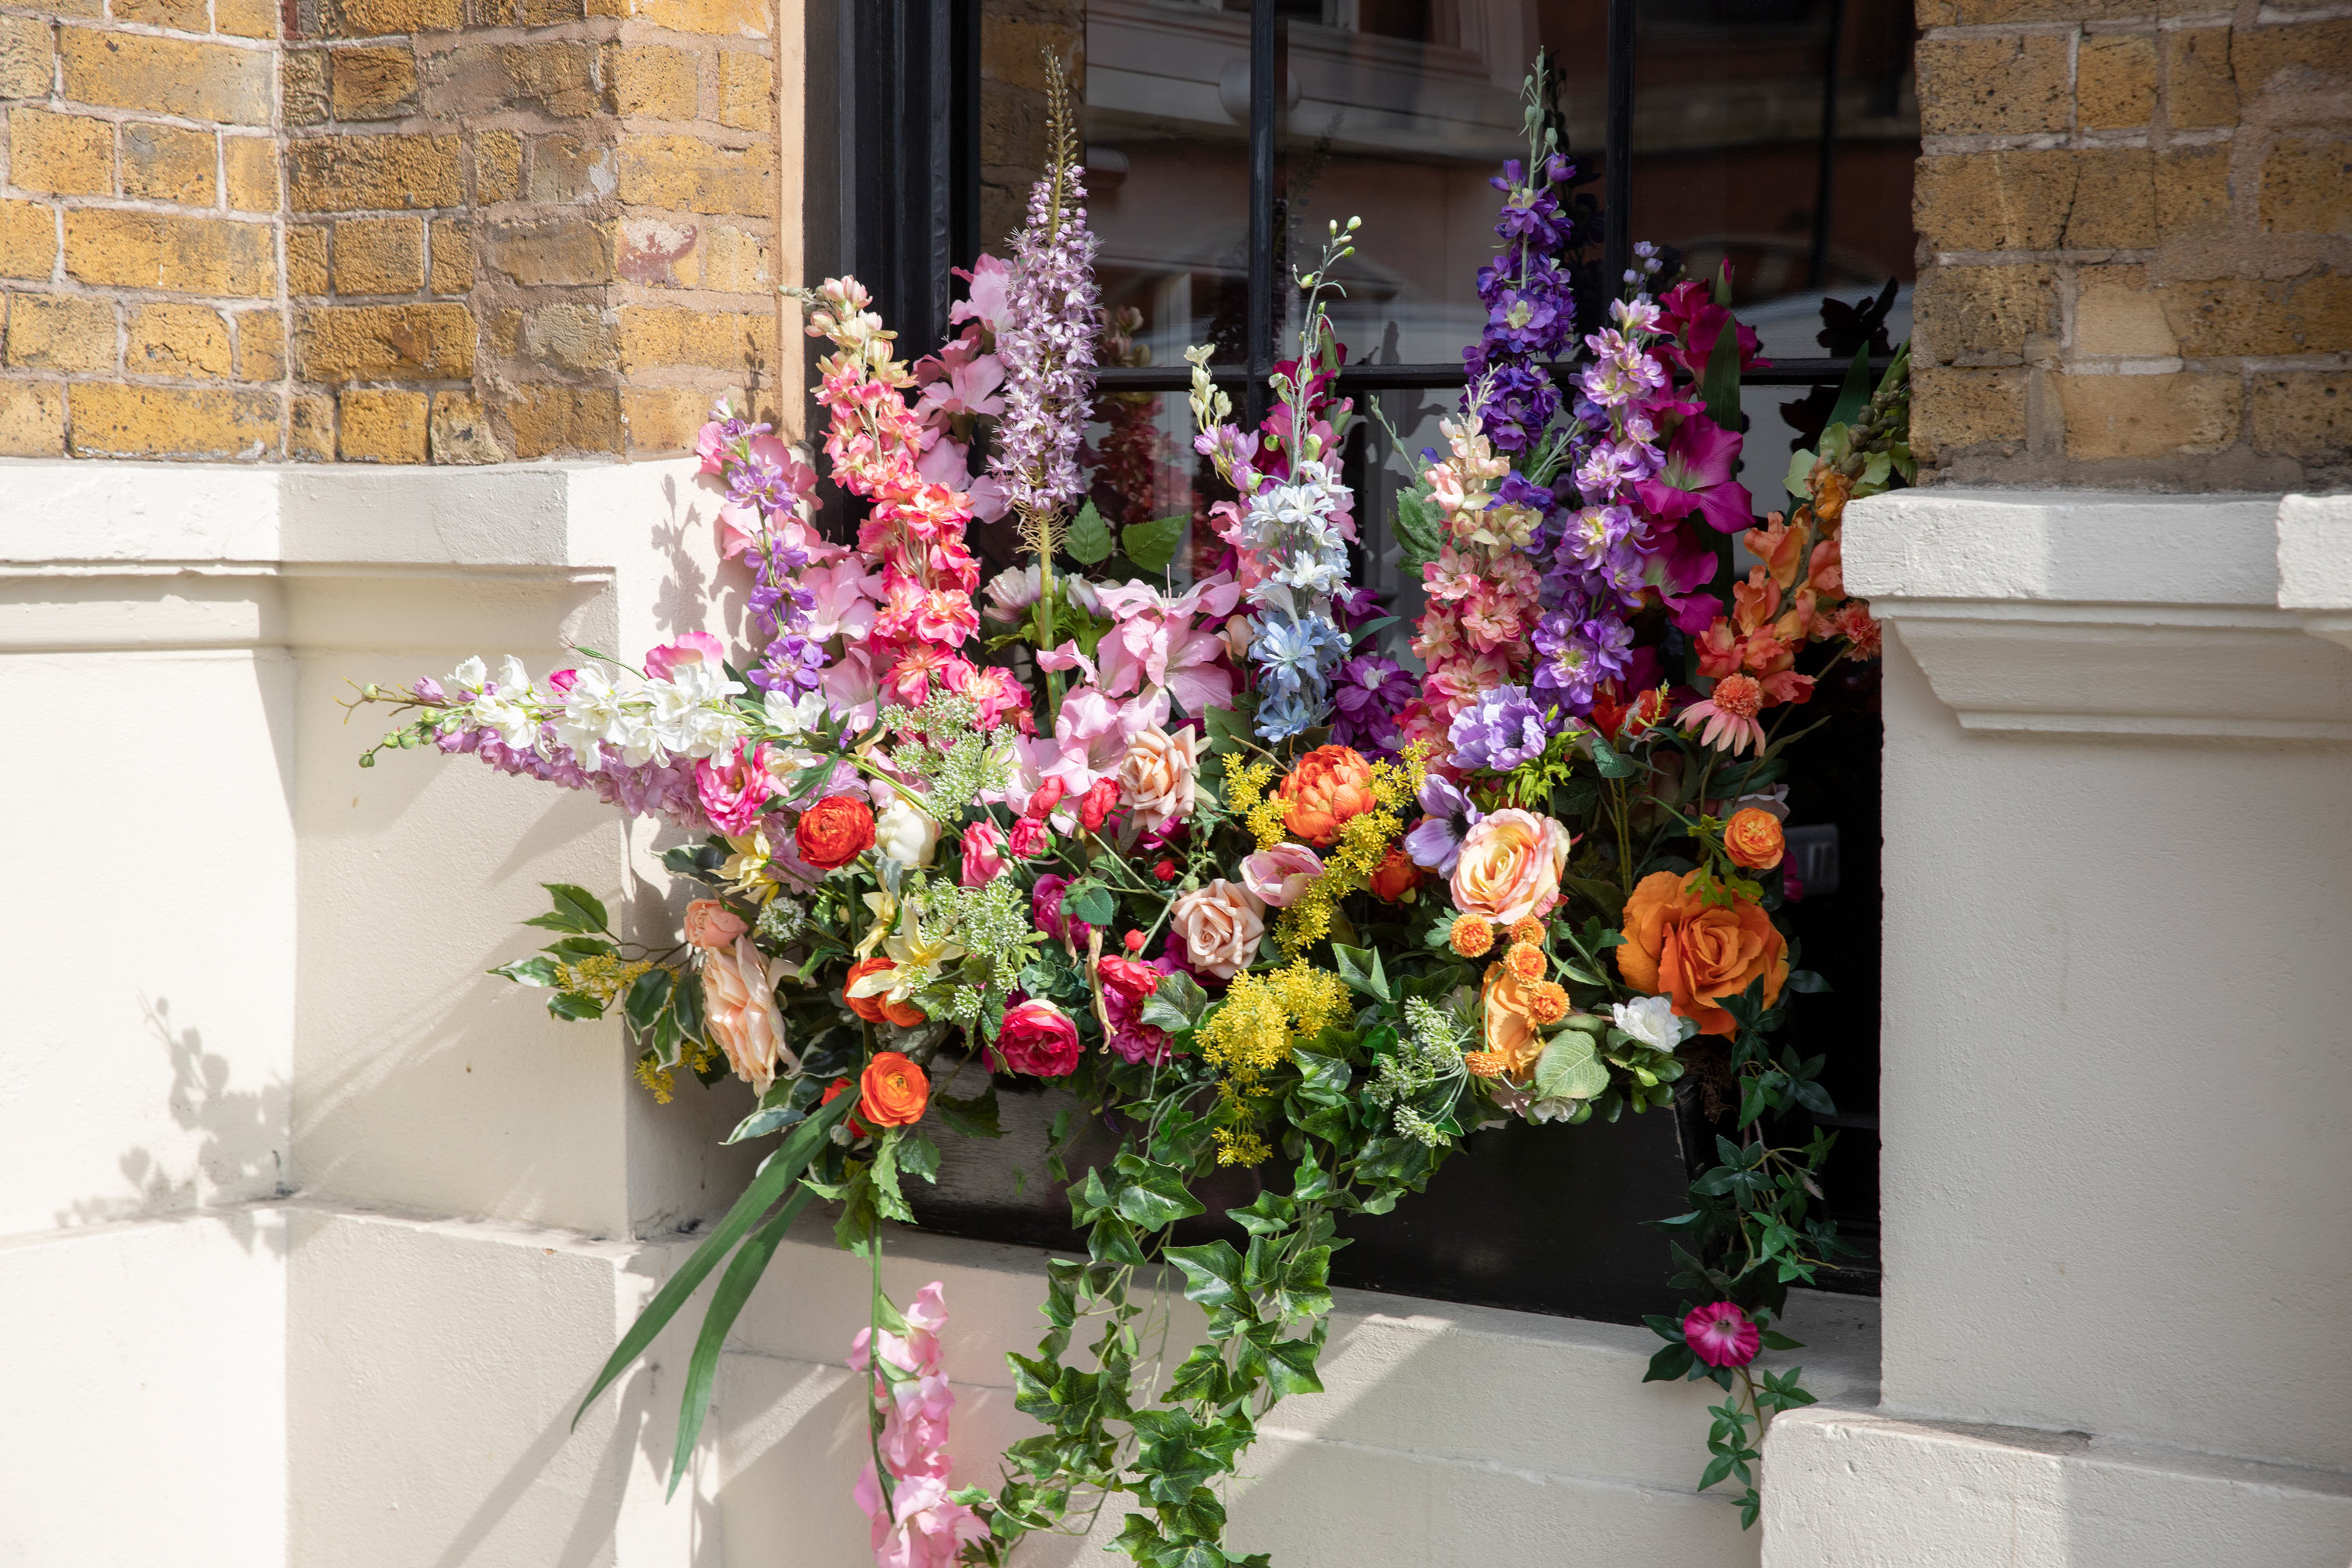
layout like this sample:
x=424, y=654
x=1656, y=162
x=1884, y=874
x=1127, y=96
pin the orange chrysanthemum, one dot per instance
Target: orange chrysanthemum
x=1548, y=1004
x=1485, y=1064
x=1525, y=962
x=1529, y=931
x=1472, y=936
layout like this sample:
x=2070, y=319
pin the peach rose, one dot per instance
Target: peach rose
x=1695, y=953
x=1329, y=785
x=1753, y=838
x=709, y=924
x=739, y=1004
x=1510, y=867
x=1221, y=925
x=1157, y=774
x=1508, y=1004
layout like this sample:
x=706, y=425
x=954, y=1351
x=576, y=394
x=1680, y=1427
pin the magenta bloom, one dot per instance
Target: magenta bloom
x=1039, y=1039
x=1721, y=1335
x=693, y=647
x=734, y=791
x=1697, y=479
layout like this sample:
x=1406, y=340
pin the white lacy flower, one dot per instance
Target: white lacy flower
x=1652, y=1021
x=514, y=681
x=466, y=677
x=517, y=725
x=905, y=834
x=795, y=715
x=591, y=715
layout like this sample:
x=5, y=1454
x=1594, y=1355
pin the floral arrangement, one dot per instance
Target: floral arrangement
x=1256, y=894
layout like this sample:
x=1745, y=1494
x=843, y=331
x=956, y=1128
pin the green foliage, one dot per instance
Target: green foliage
x=1088, y=539
x=1152, y=545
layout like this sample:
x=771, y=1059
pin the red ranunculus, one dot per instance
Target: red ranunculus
x=834, y=831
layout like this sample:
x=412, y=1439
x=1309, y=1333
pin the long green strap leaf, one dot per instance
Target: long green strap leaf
x=1855, y=393
x=743, y=1271
x=784, y=1168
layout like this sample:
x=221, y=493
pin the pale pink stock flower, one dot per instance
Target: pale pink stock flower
x=844, y=594
x=921, y=1526
x=1277, y=876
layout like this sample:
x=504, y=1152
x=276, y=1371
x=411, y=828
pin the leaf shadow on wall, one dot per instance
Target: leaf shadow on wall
x=242, y=1156
x=694, y=597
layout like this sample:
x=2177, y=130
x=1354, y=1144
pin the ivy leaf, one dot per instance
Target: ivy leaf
x=1213, y=1272
x=1269, y=1212
x=576, y=909
x=919, y=1156
x=1176, y=1005
x=575, y=1005
x=1612, y=763
x=1152, y=1194
x=1087, y=542
x=1290, y=1368
x=1360, y=968
x=974, y=1118
x=1152, y=545
x=888, y=1202
x=532, y=971
x=647, y=998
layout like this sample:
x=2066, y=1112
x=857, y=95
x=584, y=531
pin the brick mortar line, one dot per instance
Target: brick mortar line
x=148, y=205
x=56, y=102
x=426, y=122
x=141, y=379
x=105, y=27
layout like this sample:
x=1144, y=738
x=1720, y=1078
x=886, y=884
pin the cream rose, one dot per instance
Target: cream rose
x=739, y=1002
x=906, y=833
x=1157, y=775
x=1221, y=925
x=1510, y=867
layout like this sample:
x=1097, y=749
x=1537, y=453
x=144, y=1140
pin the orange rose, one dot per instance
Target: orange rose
x=1510, y=867
x=876, y=1008
x=1509, y=1003
x=1682, y=947
x=893, y=1091
x=834, y=831
x=1395, y=877
x=1753, y=838
x=1330, y=785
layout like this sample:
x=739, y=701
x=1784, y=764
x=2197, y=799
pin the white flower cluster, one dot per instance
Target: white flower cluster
x=691, y=715
x=1292, y=526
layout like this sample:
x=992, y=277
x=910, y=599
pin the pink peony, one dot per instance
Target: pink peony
x=1720, y=1334
x=984, y=854
x=693, y=647
x=1039, y=1039
x=733, y=792
x=1277, y=876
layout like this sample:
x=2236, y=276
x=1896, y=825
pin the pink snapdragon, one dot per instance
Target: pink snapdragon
x=920, y=1525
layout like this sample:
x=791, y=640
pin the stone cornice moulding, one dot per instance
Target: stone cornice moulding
x=2094, y=613
x=99, y=556
x=2314, y=564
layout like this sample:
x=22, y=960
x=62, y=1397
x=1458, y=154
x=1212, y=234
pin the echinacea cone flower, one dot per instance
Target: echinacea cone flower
x=1731, y=712
x=1720, y=1334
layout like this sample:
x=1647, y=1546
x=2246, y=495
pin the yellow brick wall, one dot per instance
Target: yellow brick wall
x=453, y=231
x=2135, y=243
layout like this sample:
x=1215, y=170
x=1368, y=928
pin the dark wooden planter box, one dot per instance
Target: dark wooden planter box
x=1537, y=1219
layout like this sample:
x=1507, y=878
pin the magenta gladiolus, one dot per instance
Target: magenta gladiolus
x=1720, y=1334
x=1697, y=476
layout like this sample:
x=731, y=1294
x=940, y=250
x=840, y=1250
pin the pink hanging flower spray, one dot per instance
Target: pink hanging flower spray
x=916, y=1522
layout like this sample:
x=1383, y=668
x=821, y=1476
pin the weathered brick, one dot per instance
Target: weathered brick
x=381, y=427
x=549, y=421
x=556, y=79
x=165, y=164
x=180, y=15
x=252, y=165
x=2307, y=187
x=452, y=256
x=246, y=18
x=1951, y=409
x=687, y=173
x=166, y=76
x=1984, y=315
x=2012, y=85
x=546, y=12
x=570, y=336
x=219, y=257
x=1995, y=201
x=356, y=173
x=374, y=83
x=497, y=166
x=303, y=80
x=659, y=253
x=664, y=419
x=2311, y=314
x=2114, y=83
x=50, y=331
x=310, y=427
x=188, y=341
x=747, y=90
x=364, y=342
x=2192, y=191
x=656, y=335
x=68, y=154
x=2118, y=315
x=735, y=260
x=379, y=256
x=2304, y=414
x=2186, y=412
x=570, y=168
x=743, y=18
x=381, y=18
x=563, y=249
x=28, y=239
x=2114, y=200
x=2199, y=91
x=261, y=345
x=28, y=59
x=459, y=430
x=113, y=420
x=32, y=419
x=2295, y=57
x=1013, y=50
x=306, y=260
x=653, y=81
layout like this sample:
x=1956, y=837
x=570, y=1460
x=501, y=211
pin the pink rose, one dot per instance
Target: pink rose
x=984, y=854
x=694, y=647
x=1509, y=866
x=738, y=1004
x=1277, y=876
x=1158, y=775
x=1030, y=838
x=1220, y=925
x=1039, y=1039
x=734, y=791
x=711, y=924
x=1045, y=911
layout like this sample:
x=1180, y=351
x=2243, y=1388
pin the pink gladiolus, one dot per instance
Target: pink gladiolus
x=693, y=647
x=984, y=854
x=1697, y=476
x=920, y=1526
x=1720, y=1334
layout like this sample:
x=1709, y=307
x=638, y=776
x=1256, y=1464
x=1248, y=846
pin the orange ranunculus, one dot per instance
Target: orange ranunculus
x=893, y=1091
x=834, y=1090
x=1396, y=878
x=834, y=831
x=1329, y=785
x=1509, y=1003
x=1682, y=947
x=1753, y=838
x=875, y=1009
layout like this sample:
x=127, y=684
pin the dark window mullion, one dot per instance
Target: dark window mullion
x=1265, y=58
